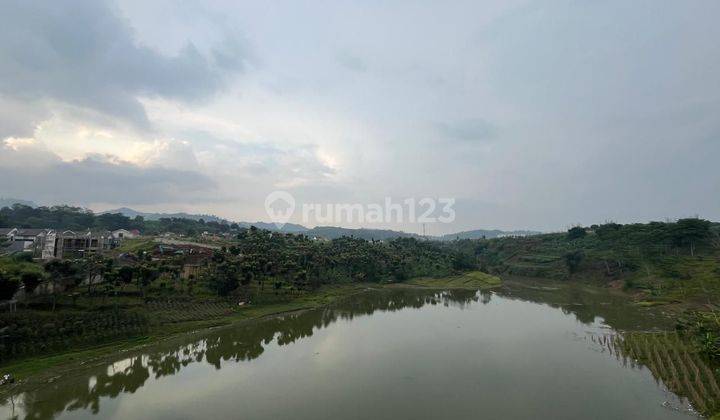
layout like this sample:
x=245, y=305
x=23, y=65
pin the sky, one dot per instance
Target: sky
x=529, y=114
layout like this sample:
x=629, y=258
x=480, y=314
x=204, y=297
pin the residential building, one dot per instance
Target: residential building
x=21, y=239
x=8, y=233
x=68, y=243
x=29, y=236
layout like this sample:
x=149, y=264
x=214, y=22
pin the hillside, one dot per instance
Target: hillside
x=332, y=232
x=9, y=202
x=486, y=234
x=661, y=262
x=131, y=213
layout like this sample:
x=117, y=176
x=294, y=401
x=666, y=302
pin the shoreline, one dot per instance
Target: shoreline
x=34, y=367
x=40, y=370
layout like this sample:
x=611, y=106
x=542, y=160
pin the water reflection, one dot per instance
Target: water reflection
x=674, y=365
x=235, y=344
x=587, y=303
x=246, y=342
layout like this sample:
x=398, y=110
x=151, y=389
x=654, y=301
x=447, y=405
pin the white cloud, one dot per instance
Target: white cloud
x=27, y=169
x=533, y=115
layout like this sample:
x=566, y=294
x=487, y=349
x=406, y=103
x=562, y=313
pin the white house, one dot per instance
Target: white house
x=8, y=233
x=21, y=239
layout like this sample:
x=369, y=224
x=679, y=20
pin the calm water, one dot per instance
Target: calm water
x=402, y=354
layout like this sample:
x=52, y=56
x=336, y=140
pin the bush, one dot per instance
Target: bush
x=8, y=286
x=576, y=232
x=26, y=333
x=573, y=260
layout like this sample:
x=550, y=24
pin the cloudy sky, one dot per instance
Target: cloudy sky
x=531, y=114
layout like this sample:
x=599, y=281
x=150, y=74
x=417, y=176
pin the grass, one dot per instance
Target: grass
x=471, y=280
x=652, y=303
x=24, y=368
x=134, y=245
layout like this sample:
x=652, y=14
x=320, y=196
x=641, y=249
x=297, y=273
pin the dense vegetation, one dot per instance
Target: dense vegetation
x=601, y=251
x=659, y=263
x=75, y=218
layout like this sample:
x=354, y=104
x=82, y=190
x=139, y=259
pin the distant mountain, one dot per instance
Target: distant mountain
x=484, y=233
x=8, y=202
x=332, y=232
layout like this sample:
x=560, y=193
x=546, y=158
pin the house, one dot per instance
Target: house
x=73, y=244
x=45, y=245
x=12, y=248
x=8, y=233
x=29, y=236
x=21, y=238
x=125, y=234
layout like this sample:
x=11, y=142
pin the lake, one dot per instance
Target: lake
x=513, y=353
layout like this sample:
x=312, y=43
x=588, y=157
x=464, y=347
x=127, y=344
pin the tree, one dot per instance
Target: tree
x=225, y=279
x=576, y=232
x=715, y=238
x=126, y=274
x=8, y=286
x=573, y=260
x=94, y=267
x=690, y=232
x=146, y=275
x=61, y=274
x=31, y=280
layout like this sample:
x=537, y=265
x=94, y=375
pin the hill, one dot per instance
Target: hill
x=332, y=232
x=486, y=234
x=660, y=260
x=131, y=213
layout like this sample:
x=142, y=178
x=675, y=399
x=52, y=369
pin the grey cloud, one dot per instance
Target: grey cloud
x=19, y=118
x=351, y=62
x=83, y=53
x=42, y=176
x=475, y=129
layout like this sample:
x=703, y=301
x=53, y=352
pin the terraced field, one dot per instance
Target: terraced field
x=188, y=311
x=471, y=280
x=680, y=368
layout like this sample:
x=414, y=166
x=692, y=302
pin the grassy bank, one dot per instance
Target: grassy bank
x=471, y=280
x=168, y=326
x=23, y=368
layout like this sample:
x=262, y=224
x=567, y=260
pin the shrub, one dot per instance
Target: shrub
x=576, y=232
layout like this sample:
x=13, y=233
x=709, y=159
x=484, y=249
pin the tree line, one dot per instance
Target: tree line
x=77, y=218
